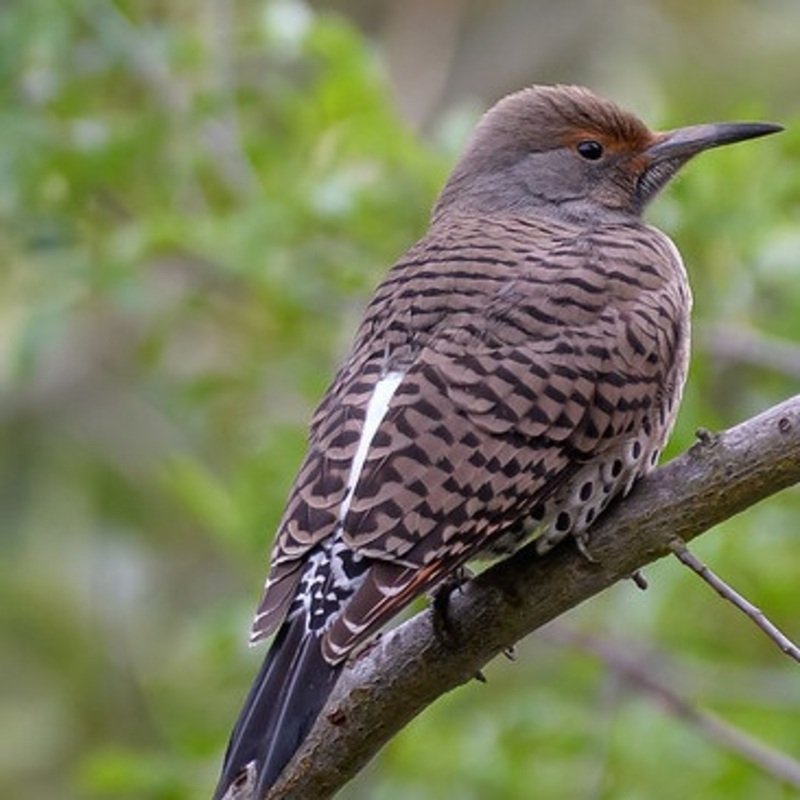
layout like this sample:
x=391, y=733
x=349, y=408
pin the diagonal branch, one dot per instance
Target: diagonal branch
x=685, y=556
x=409, y=668
x=643, y=673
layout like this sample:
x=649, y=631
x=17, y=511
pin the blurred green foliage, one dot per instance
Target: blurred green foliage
x=195, y=201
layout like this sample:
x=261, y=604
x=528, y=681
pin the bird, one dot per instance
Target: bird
x=518, y=368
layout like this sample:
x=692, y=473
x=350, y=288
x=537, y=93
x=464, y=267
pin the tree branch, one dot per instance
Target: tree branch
x=644, y=674
x=409, y=667
x=784, y=643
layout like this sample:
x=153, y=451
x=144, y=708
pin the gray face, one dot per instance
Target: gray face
x=572, y=186
x=557, y=182
x=564, y=152
x=551, y=152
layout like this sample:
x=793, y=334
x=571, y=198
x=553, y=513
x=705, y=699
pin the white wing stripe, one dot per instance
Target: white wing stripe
x=376, y=410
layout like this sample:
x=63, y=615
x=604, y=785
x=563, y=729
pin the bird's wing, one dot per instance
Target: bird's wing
x=497, y=405
x=475, y=437
x=313, y=509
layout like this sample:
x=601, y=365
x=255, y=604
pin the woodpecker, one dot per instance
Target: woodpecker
x=517, y=369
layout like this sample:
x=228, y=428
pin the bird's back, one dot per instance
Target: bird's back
x=535, y=358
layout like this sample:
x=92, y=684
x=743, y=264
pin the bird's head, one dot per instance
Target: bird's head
x=564, y=151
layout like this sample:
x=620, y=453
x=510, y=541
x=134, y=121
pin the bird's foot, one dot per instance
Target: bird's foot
x=443, y=626
x=639, y=579
x=582, y=543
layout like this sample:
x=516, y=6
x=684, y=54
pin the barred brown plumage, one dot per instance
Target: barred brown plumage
x=517, y=369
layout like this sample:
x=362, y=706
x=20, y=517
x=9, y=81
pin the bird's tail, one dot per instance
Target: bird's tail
x=284, y=701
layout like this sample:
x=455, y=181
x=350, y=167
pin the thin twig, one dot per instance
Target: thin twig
x=643, y=673
x=685, y=556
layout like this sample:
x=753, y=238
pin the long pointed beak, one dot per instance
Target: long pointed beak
x=682, y=143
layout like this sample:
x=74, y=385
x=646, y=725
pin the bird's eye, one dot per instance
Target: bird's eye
x=590, y=149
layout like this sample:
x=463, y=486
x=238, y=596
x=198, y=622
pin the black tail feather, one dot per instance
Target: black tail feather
x=284, y=701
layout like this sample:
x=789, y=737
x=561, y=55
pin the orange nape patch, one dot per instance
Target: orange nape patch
x=632, y=140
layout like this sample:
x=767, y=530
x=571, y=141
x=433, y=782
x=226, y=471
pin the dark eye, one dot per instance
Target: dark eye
x=590, y=149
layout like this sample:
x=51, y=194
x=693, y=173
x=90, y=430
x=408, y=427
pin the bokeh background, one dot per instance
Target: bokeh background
x=196, y=198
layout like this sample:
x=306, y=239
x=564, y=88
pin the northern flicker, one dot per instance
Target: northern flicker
x=519, y=367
